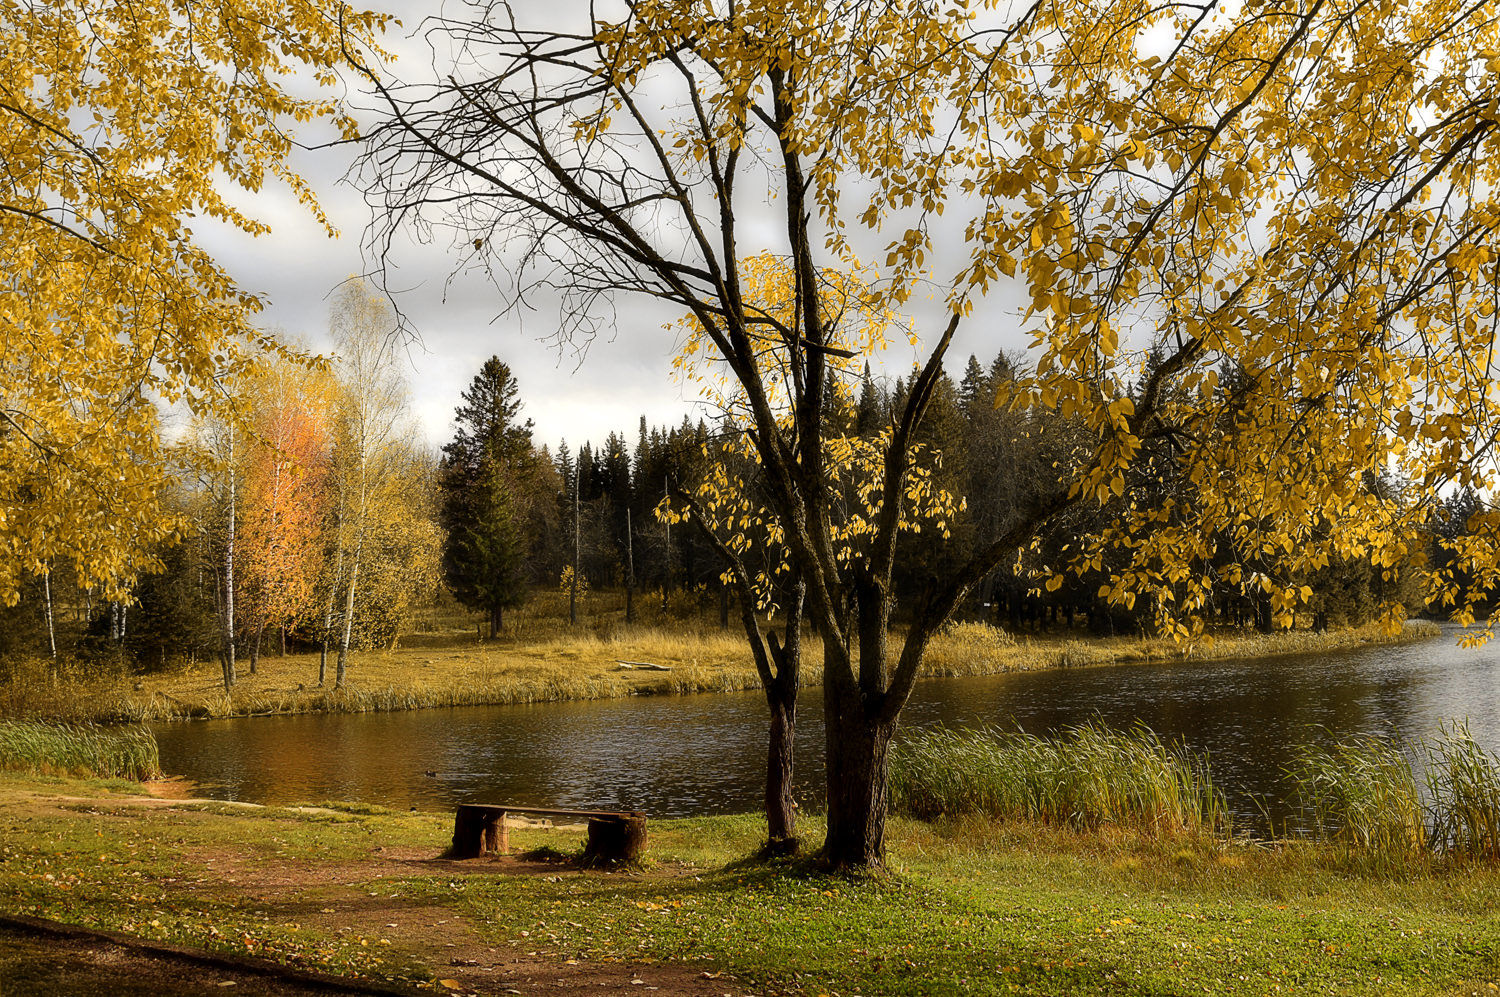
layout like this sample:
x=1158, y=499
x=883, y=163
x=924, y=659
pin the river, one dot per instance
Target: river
x=693, y=755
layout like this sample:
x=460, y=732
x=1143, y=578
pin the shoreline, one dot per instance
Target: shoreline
x=431, y=674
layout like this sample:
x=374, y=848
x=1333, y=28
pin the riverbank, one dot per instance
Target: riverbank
x=973, y=907
x=453, y=668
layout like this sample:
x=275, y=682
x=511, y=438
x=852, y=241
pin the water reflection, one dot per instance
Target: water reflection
x=680, y=756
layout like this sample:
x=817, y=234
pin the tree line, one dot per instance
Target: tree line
x=316, y=519
x=301, y=514
x=607, y=511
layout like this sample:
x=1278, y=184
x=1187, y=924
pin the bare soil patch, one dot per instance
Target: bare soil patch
x=335, y=895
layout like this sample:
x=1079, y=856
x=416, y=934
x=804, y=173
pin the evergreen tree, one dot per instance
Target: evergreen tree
x=872, y=412
x=486, y=479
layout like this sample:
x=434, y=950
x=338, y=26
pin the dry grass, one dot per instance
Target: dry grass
x=540, y=658
x=979, y=649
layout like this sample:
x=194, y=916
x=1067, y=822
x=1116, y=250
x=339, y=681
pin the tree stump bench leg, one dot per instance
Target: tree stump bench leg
x=615, y=839
x=477, y=830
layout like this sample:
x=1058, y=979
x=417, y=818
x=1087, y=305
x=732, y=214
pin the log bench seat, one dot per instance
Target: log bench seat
x=614, y=835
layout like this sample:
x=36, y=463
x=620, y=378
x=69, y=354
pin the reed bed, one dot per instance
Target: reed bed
x=1086, y=777
x=80, y=751
x=1463, y=785
x=1364, y=794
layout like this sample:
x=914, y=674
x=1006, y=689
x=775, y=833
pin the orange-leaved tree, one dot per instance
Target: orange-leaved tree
x=284, y=496
x=1300, y=190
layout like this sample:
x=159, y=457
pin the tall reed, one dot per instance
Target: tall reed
x=85, y=751
x=1463, y=785
x=1363, y=795
x=1086, y=777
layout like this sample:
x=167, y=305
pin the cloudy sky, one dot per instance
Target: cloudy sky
x=570, y=393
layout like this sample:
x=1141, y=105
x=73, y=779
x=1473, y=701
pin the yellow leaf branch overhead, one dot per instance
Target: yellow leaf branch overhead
x=1255, y=242
x=119, y=124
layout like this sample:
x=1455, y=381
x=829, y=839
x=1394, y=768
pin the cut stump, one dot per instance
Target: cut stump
x=616, y=839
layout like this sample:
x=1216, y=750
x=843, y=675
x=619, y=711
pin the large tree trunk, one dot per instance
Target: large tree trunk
x=858, y=741
x=781, y=697
x=858, y=767
x=781, y=806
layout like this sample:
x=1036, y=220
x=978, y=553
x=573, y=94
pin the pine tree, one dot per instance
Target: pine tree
x=484, y=478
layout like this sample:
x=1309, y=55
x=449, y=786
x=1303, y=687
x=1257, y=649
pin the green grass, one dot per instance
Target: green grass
x=84, y=751
x=979, y=908
x=972, y=906
x=1088, y=776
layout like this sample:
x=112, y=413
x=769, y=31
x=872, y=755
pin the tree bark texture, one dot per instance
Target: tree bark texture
x=858, y=750
x=781, y=805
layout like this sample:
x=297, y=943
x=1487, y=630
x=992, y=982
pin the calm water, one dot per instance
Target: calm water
x=680, y=756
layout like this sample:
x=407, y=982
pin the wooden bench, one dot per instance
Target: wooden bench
x=614, y=835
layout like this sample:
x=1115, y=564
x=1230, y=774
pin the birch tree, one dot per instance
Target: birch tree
x=370, y=424
x=120, y=123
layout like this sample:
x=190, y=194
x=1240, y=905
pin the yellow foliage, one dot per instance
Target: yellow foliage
x=1290, y=208
x=120, y=124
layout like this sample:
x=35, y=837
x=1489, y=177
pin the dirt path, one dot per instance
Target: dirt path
x=43, y=958
x=316, y=893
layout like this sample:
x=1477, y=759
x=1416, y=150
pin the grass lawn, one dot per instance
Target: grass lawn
x=971, y=907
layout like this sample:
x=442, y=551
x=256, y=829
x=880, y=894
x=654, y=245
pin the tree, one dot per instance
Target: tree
x=285, y=498
x=1303, y=188
x=219, y=451
x=369, y=446
x=488, y=480
x=119, y=124
x=727, y=499
x=402, y=555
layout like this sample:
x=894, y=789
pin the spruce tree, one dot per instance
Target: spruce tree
x=485, y=479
